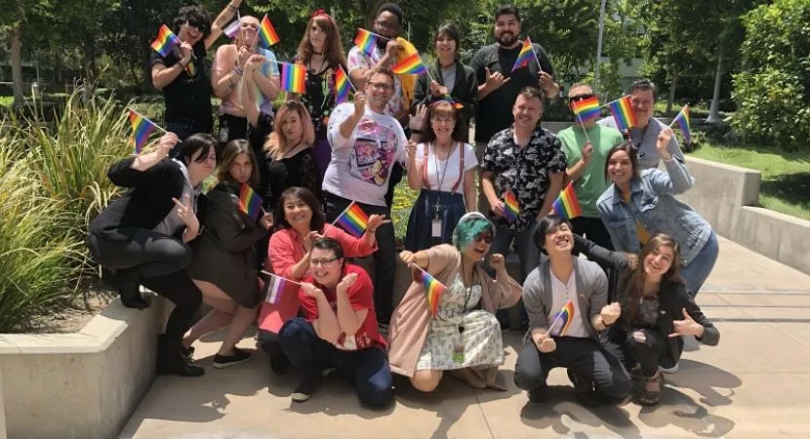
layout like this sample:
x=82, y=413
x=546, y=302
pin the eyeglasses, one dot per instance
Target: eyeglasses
x=381, y=86
x=387, y=25
x=578, y=98
x=486, y=237
x=322, y=262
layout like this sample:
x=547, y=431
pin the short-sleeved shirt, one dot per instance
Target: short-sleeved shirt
x=593, y=181
x=645, y=141
x=361, y=296
x=225, y=59
x=495, y=110
x=446, y=172
x=358, y=59
x=524, y=171
x=189, y=95
x=361, y=165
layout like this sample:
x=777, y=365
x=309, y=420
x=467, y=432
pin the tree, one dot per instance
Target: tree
x=14, y=17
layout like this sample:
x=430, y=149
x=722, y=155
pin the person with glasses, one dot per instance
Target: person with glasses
x=644, y=136
x=231, y=73
x=463, y=337
x=586, y=145
x=182, y=77
x=144, y=235
x=338, y=329
x=299, y=221
x=569, y=339
x=366, y=142
x=445, y=179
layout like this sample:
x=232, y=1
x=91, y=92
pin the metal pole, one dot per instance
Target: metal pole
x=599, y=47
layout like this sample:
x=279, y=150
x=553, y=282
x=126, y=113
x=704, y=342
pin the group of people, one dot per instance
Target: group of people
x=310, y=160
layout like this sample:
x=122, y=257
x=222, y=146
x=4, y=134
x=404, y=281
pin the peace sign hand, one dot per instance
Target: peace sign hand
x=186, y=213
x=687, y=326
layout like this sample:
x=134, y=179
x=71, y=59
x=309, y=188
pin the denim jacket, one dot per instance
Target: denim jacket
x=654, y=205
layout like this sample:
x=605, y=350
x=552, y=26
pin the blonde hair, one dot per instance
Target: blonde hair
x=277, y=144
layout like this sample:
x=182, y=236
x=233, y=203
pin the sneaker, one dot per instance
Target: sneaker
x=238, y=357
x=178, y=366
x=307, y=387
x=669, y=370
x=583, y=389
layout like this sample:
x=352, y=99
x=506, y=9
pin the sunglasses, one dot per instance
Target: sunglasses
x=486, y=237
x=578, y=98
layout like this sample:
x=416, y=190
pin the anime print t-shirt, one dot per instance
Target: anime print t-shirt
x=361, y=165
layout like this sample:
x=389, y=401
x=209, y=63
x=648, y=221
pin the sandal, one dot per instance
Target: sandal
x=650, y=397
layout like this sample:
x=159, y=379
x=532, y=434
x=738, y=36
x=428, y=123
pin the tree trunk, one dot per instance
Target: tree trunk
x=16, y=65
x=672, y=88
x=714, y=110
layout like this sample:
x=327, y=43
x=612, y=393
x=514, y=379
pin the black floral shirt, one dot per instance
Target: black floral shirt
x=319, y=98
x=524, y=171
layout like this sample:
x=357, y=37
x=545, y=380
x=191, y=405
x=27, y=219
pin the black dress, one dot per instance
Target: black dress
x=299, y=170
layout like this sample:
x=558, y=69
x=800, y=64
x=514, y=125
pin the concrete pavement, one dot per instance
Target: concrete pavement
x=756, y=383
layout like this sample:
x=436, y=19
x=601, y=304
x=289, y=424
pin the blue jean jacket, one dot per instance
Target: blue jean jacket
x=654, y=205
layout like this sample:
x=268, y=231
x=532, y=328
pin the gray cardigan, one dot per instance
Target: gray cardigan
x=592, y=290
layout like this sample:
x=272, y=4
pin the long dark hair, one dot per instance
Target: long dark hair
x=318, y=218
x=633, y=281
x=631, y=152
x=194, y=143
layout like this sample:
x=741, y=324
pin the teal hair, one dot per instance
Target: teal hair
x=468, y=229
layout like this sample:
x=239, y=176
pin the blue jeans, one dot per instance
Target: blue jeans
x=527, y=252
x=367, y=369
x=699, y=269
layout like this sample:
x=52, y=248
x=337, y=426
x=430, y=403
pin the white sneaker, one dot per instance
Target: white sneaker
x=669, y=370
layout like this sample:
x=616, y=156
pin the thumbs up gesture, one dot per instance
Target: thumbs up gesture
x=687, y=326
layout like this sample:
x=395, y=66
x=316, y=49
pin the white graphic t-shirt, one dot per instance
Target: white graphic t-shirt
x=361, y=165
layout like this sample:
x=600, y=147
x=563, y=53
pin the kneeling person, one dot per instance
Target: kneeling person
x=338, y=328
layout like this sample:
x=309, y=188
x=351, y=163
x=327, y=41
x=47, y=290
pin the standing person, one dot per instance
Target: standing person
x=228, y=77
x=581, y=286
x=225, y=266
x=144, y=235
x=644, y=135
x=586, y=146
x=527, y=161
x=338, y=329
x=641, y=203
x=444, y=173
x=321, y=52
x=366, y=142
x=463, y=337
x=451, y=78
x=181, y=76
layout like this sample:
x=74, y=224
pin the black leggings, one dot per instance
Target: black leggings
x=158, y=262
x=647, y=351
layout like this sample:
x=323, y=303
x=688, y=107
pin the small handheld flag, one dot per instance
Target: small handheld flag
x=165, y=41
x=275, y=289
x=567, y=205
x=354, y=220
x=448, y=98
x=249, y=203
x=511, y=207
x=233, y=29
x=433, y=291
x=141, y=129
x=342, y=86
x=410, y=65
x=682, y=119
x=586, y=109
x=293, y=78
x=565, y=317
x=623, y=113
x=525, y=56
x=267, y=33
x=365, y=40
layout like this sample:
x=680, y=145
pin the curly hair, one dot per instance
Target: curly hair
x=195, y=16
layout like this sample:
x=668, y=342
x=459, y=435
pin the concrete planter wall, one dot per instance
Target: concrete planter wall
x=81, y=385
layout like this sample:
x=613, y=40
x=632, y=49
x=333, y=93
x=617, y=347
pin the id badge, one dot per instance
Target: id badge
x=458, y=354
x=436, y=227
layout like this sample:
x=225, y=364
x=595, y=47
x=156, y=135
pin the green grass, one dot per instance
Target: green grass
x=785, y=184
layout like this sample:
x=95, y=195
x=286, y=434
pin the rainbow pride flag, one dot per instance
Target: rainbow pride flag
x=525, y=56
x=565, y=316
x=512, y=208
x=233, y=29
x=682, y=119
x=249, y=203
x=267, y=33
x=448, y=98
x=354, y=220
x=342, y=86
x=165, y=41
x=141, y=129
x=275, y=288
x=293, y=78
x=365, y=40
x=567, y=206
x=433, y=291
x=410, y=65
x=623, y=113
x=586, y=109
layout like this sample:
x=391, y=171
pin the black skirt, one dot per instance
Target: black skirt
x=420, y=228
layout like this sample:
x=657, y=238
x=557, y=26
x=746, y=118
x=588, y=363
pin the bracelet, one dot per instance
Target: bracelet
x=372, y=231
x=232, y=7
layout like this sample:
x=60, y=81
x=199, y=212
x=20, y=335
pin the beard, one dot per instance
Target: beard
x=506, y=39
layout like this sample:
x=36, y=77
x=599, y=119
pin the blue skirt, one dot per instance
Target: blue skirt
x=420, y=228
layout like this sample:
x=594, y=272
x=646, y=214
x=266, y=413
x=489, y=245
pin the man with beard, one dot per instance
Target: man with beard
x=498, y=86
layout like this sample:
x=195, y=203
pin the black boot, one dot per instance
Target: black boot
x=128, y=291
x=170, y=360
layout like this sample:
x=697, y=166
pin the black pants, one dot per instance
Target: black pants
x=158, y=262
x=384, y=257
x=184, y=128
x=270, y=343
x=647, y=353
x=231, y=128
x=583, y=356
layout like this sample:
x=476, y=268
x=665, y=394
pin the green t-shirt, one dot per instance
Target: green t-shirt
x=593, y=181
